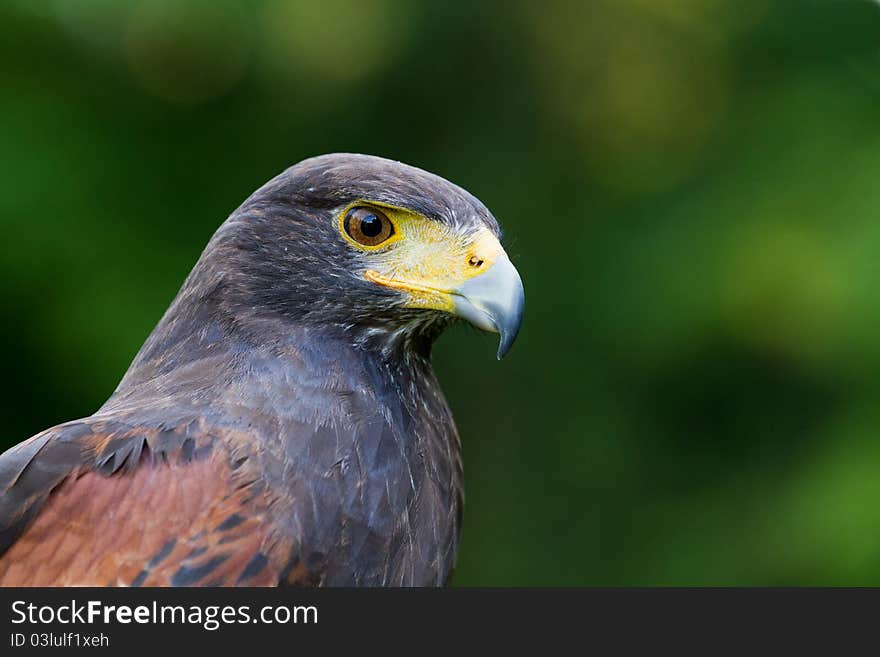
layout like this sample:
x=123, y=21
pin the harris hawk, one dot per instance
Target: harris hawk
x=282, y=424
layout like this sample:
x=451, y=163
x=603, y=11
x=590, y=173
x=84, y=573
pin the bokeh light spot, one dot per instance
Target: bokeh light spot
x=187, y=52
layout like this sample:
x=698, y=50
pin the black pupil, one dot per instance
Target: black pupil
x=371, y=225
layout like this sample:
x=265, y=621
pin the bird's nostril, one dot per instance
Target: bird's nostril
x=475, y=261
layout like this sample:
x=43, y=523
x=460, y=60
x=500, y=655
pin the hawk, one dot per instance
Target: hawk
x=282, y=424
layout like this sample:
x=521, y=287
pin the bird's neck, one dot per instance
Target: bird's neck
x=203, y=354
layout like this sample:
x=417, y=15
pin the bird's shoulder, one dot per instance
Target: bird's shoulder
x=109, y=501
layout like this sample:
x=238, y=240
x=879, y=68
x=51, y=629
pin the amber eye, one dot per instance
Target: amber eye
x=368, y=226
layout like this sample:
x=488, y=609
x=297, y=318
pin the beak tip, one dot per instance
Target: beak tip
x=506, y=342
x=508, y=334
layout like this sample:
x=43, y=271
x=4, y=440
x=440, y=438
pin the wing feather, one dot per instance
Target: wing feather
x=104, y=503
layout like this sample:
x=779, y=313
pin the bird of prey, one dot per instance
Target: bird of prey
x=282, y=424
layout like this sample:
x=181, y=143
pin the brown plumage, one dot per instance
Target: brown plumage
x=199, y=520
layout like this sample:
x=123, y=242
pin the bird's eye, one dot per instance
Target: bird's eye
x=368, y=226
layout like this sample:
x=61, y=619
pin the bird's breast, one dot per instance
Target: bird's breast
x=368, y=491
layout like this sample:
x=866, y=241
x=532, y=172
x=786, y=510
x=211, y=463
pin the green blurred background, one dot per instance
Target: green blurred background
x=690, y=188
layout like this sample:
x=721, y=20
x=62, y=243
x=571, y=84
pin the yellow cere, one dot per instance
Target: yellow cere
x=424, y=258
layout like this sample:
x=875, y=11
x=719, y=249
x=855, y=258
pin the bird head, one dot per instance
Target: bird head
x=384, y=252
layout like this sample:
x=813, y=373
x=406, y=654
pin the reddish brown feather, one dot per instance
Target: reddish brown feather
x=160, y=522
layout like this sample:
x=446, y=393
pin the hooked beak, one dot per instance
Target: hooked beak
x=493, y=301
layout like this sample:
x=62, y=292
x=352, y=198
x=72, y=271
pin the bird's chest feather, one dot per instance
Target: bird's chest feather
x=365, y=468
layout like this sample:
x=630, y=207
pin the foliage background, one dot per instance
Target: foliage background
x=689, y=188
